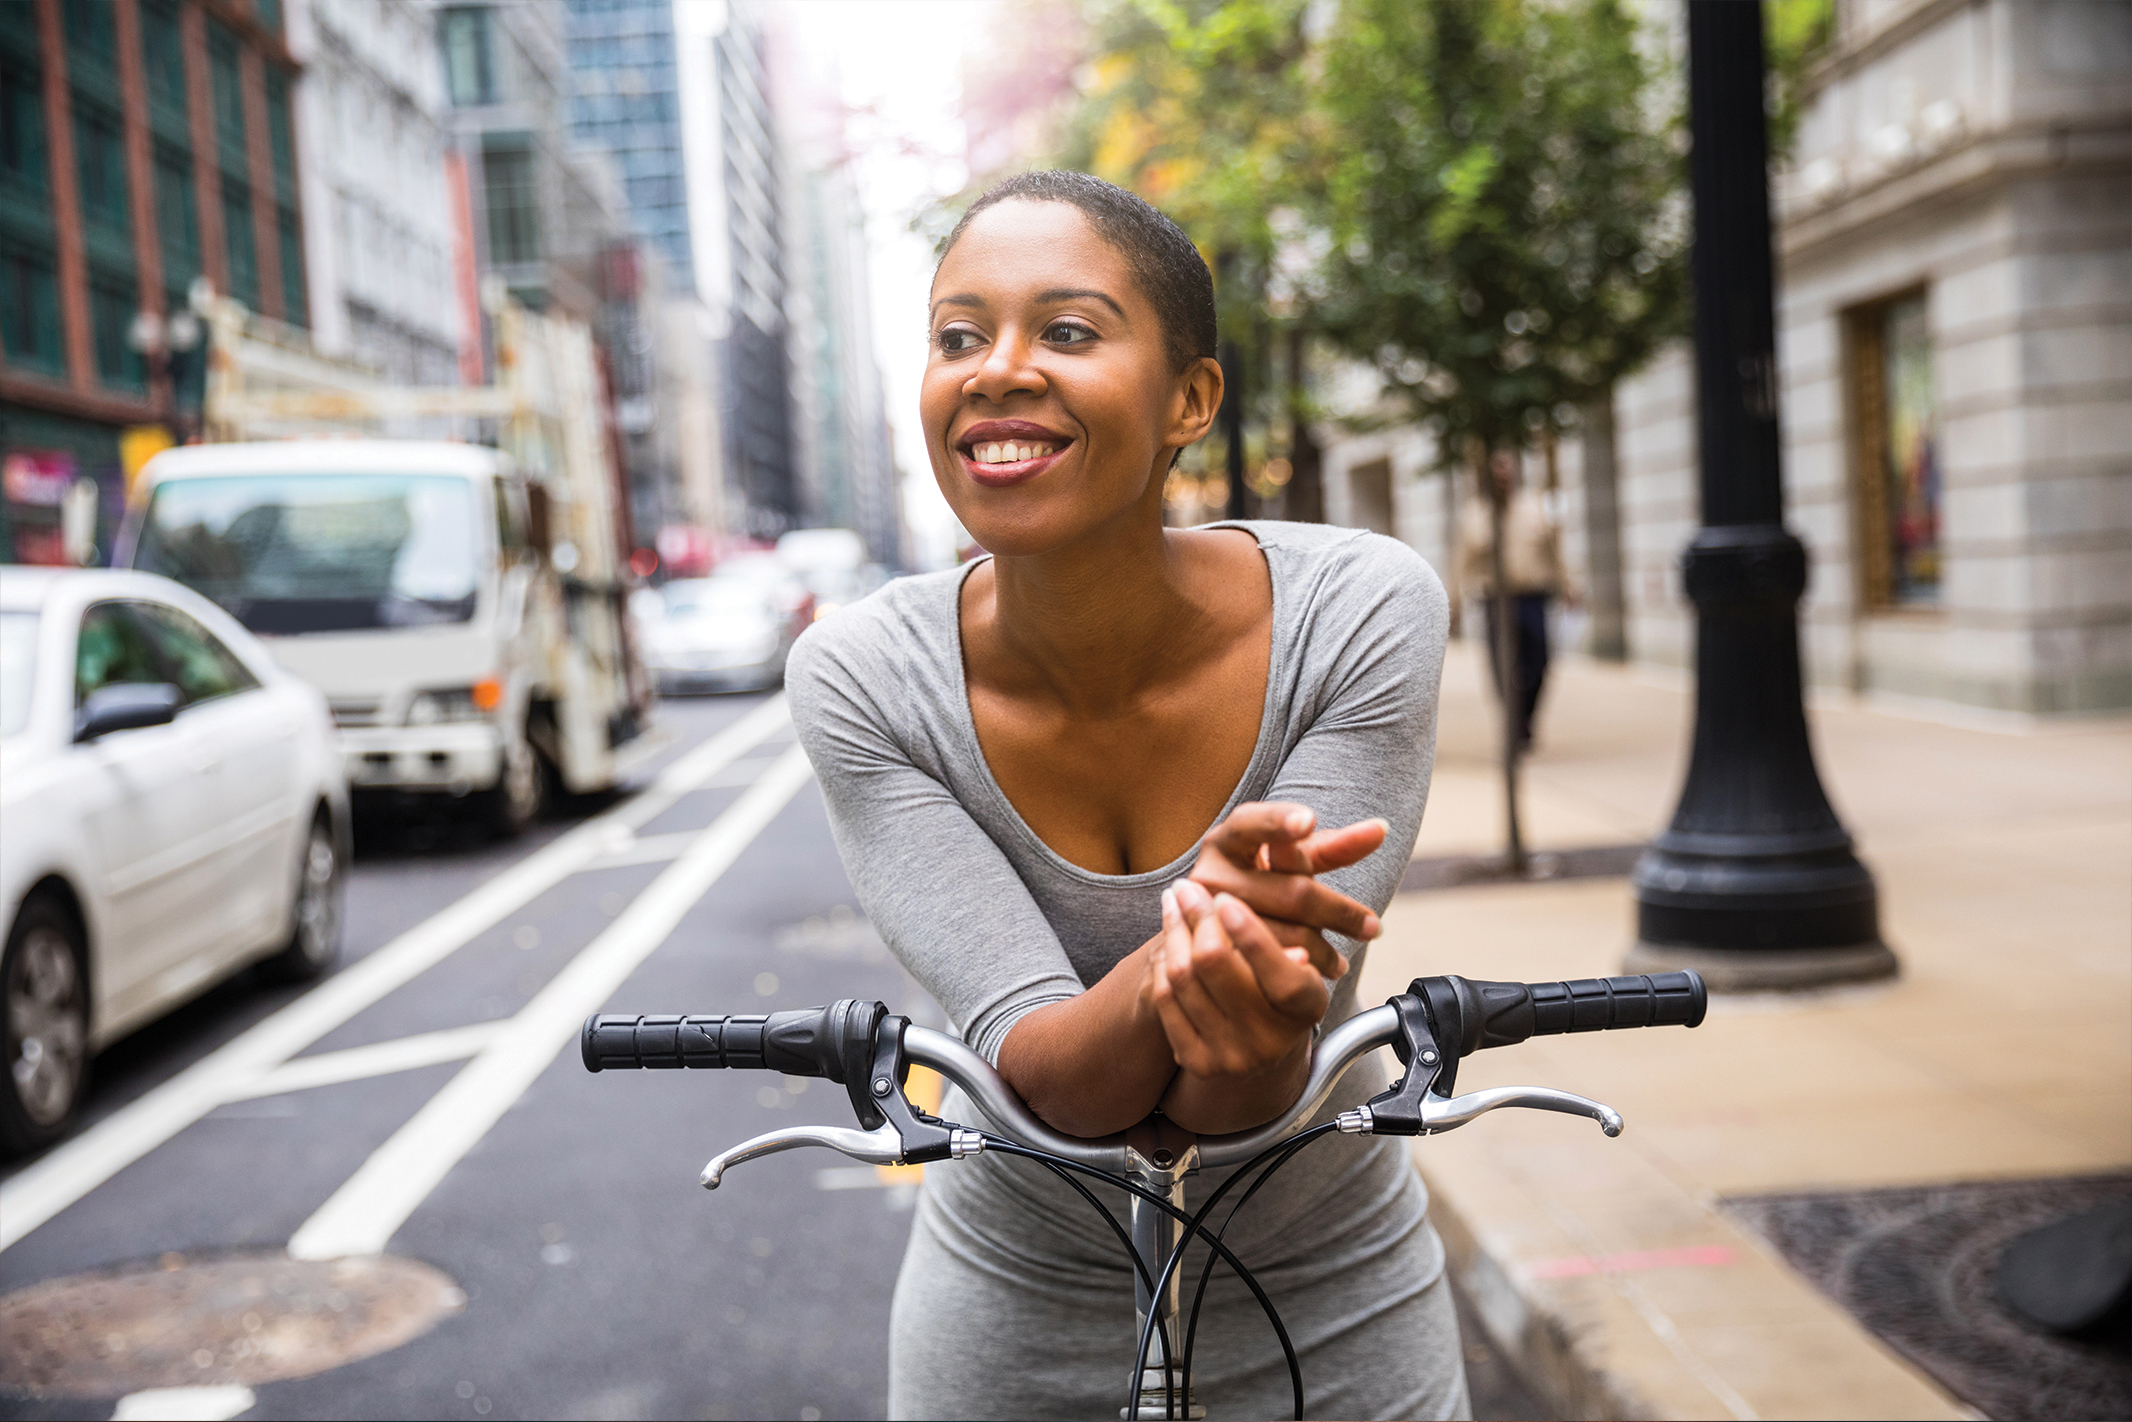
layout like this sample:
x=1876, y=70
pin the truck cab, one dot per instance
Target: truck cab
x=412, y=583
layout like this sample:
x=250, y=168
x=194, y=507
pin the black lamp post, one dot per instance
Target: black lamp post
x=1754, y=884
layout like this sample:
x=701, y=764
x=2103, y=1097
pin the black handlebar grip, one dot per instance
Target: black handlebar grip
x=815, y=1041
x=1474, y=1016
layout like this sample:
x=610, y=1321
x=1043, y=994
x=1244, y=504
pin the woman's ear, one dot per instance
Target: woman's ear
x=1197, y=402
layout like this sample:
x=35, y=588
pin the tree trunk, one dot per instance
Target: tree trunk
x=1608, y=638
x=1508, y=684
x=1306, y=480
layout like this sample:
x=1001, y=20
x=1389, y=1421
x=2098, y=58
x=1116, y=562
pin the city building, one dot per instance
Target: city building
x=374, y=141
x=143, y=144
x=627, y=104
x=735, y=164
x=1954, y=342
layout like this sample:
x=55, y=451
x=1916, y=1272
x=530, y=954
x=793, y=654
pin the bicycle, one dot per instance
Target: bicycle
x=1432, y=1026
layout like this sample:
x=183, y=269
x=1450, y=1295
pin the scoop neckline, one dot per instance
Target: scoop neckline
x=966, y=726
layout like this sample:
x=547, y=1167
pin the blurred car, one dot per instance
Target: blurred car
x=172, y=809
x=728, y=633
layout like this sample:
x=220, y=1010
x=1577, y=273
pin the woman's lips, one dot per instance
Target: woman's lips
x=1000, y=463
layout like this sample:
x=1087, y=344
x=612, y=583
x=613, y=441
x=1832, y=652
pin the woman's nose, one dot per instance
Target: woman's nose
x=1007, y=370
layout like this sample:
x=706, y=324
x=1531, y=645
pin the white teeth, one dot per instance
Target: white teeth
x=1008, y=452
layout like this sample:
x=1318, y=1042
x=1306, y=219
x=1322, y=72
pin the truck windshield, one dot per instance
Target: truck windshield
x=320, y=552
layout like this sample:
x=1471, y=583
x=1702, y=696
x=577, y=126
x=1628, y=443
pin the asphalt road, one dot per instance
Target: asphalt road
x=446, y=1119
x=600, y=1279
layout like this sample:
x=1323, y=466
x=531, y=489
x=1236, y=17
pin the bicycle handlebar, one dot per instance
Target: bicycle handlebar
x=1466, y=1016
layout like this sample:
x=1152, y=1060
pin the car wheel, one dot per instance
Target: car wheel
x=519, y=794
x=315, y=918
x=46, y=990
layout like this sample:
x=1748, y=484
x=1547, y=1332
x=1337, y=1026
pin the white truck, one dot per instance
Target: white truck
x=461, y=607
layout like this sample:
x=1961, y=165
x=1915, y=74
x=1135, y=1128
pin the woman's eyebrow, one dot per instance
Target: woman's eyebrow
x=1078, y=293
x=961, y=299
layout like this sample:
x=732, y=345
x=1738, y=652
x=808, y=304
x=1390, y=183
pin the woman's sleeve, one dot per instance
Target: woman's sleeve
x=939, y=891
x=1372, y=663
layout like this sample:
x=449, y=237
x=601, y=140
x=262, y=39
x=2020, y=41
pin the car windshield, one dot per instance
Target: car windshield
x=713, y=597
x=320, y=553
x=18, y=664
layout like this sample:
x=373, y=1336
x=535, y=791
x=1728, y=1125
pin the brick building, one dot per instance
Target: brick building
x=143, y=144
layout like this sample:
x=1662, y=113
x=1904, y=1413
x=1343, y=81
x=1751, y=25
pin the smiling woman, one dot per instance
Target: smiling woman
x=1080, y=786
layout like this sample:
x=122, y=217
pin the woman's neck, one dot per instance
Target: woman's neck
x=1100, y=621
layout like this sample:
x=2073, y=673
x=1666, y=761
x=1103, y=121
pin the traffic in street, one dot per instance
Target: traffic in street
x=425, y=1101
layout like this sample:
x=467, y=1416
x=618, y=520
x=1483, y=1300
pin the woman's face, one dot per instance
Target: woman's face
x=1050, y=405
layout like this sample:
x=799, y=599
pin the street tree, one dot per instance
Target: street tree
x=1508, y=233
x=1206, y=108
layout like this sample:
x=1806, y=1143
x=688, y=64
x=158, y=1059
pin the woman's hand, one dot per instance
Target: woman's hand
x=1265, y=854
x=1237, y=1007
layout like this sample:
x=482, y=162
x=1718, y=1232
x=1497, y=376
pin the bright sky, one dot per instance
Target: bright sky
x=902, y=65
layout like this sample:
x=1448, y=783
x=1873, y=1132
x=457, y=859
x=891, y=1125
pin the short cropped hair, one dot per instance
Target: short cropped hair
x=1166, y=266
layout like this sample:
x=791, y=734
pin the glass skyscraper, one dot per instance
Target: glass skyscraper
x=628, y=104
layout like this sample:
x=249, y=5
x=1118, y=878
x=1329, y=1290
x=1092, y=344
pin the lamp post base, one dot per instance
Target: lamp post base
x=1766, y=969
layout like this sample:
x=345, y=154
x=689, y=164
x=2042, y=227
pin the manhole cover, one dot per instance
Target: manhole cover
x=213, y=1320
x=1917, y=1265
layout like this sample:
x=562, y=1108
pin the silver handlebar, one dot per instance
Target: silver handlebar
x=1338, y=1050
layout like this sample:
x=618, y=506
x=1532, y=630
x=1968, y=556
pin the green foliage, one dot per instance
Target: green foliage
x=1794, y=33
x=1508, y=229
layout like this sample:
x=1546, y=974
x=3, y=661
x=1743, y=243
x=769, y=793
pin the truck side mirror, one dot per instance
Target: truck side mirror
x=126, y=706
x=539, y=531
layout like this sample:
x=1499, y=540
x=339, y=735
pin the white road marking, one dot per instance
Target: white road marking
x=377, y=1059
x=653, y=850
x=362, y=1216
x=70, y=1171
x=185, y=1404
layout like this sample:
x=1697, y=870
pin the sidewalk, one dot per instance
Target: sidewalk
x=2004, y=1050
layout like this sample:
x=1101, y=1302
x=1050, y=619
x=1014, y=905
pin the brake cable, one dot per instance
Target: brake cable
x=1288, y=1150
x=1197, y=1226
x=1168, y=1371
x=1192, y=1226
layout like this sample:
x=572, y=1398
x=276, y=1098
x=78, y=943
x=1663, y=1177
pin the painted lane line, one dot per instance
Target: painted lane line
x=377, y=1059
x=185, y=1404
x=653, y=849
x=71, y=1170
x=362, y=1216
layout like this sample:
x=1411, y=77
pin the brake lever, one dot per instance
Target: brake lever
x=906, y=1135
x=1443, y=1114
x=879, y=1146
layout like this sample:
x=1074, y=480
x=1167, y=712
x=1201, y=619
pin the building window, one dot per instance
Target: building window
x=111, y=311
x=469, y=57
x=100, y=155
x=294, y=308
x=92, y=31
x=269, y=12
x=281, y=136
x=513, y=199
x=238, y=238
x=229, y=94
x=177, y=218
x=1897, y=453
x=29, y=311
x=163, y=47
x=22, y=161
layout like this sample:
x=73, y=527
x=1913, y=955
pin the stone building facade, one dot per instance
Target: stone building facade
x=1954, y=316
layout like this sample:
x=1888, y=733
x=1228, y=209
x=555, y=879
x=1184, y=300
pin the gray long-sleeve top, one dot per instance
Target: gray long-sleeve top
x=994, y=924
x=988, y=919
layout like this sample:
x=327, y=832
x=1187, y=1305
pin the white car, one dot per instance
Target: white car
x=720, y=634
x=172, y=809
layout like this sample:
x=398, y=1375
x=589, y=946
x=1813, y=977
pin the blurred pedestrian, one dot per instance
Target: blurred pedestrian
x=1532, y=573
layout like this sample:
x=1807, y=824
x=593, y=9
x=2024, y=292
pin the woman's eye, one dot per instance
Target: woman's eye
x=1067, y=333
x=954, y=342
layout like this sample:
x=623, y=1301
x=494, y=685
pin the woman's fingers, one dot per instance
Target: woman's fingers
x=1258, y=825
x=1295, y=939
x=1240, y=1030
x=1297, y=898
x=1293, y=989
